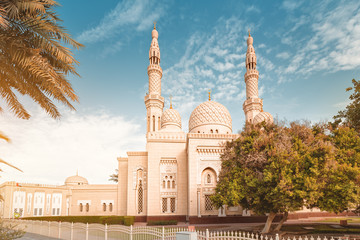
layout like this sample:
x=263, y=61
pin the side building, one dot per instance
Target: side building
x=75, y=197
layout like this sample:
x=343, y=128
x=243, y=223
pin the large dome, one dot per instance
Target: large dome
x=210, y=117
x=76, y=180
x=263, y=116
x=171, y=118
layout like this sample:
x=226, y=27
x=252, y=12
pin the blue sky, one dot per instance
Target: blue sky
x=307, y=52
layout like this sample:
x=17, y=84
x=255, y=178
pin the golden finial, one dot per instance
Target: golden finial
x=209, y=94
x=170, y=101
x=154, y=24
x=249, y=32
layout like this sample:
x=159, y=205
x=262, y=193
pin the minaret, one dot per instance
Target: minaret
x=154, y=102
x=253, y=104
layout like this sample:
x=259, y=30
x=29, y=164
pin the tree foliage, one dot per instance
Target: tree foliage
x=115, y=176
x=351, y=115
x=33, y=60
x=9, y=231
x=276, y=169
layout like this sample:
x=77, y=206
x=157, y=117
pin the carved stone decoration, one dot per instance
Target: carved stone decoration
x=210, y=112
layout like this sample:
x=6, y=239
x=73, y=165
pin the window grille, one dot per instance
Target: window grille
x=208, y=178
x=140, y=198
x=104, y=207
x=81, y=208
x=208, y=203
x=110, y=207
x=164, y=205
x=87, y=207
x=172, y=205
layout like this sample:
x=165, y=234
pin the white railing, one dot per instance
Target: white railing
x=75, y=231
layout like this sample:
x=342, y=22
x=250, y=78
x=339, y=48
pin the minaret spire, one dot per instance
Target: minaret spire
x=253, y=104
x=154, y=102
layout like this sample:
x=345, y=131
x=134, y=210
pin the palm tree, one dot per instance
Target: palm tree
x=33, y=61
x=4, y=137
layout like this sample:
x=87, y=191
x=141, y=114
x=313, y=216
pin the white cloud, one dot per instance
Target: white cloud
x=137, y=14
x=332, y=45
x=291, y=5
x=283, y=55
x=252, y=8
x=49, y=150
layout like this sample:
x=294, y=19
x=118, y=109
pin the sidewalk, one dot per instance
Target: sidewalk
x=33, y=236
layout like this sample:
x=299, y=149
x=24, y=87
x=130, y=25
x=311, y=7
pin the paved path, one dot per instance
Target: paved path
x=33, y=236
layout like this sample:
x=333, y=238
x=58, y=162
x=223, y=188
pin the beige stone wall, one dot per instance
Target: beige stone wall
x=122, y=186
x=95, y=196
x=17, y=197
x=167, y=158
x=136, y=161
x=204, y=154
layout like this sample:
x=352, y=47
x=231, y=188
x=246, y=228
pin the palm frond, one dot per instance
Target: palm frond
x=10, y=165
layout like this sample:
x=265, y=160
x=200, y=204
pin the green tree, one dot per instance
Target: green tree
x=351, y=115
x=33, y=61
x=274, y=169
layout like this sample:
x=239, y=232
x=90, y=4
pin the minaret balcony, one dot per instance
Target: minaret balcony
x=154, y=96
x=154, y=67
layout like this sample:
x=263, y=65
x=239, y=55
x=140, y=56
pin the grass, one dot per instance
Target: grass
x=337, y=220
x=320, y=229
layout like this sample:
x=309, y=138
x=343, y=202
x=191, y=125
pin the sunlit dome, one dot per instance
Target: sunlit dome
x=76, y=180
x=263, y=116
x=210, y=117
x=171, y=120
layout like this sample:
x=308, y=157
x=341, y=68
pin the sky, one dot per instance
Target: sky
x=307, y=54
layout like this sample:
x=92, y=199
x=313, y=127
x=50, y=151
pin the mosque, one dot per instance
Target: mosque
x=173, y=179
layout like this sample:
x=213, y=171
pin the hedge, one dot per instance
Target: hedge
x=168, y=222
x=122, y=220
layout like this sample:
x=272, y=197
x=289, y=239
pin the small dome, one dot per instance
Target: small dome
x=76, y=180
x=170, y=117
x=154, y=34
x=210, y=117
x=263, y=116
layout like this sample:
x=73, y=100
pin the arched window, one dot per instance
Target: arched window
x=217, y=131
x=208, y=178
x=164, y=184
x=104, y=207
x=173, y=184
x=87, y=207
x=148, y=124
x=211, y=131
x=110, y=207
x=168, y=184
x=81, y=207
x=153, y=123
x=140, y=198
x=159, y=123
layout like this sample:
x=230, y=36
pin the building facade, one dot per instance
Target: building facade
x=173, y=179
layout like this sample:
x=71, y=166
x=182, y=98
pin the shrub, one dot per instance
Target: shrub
x=87, y=219
x=164, y=222
x=129, y=220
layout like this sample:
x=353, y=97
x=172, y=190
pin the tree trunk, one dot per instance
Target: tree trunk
x=283, y=219
x=268, y=223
